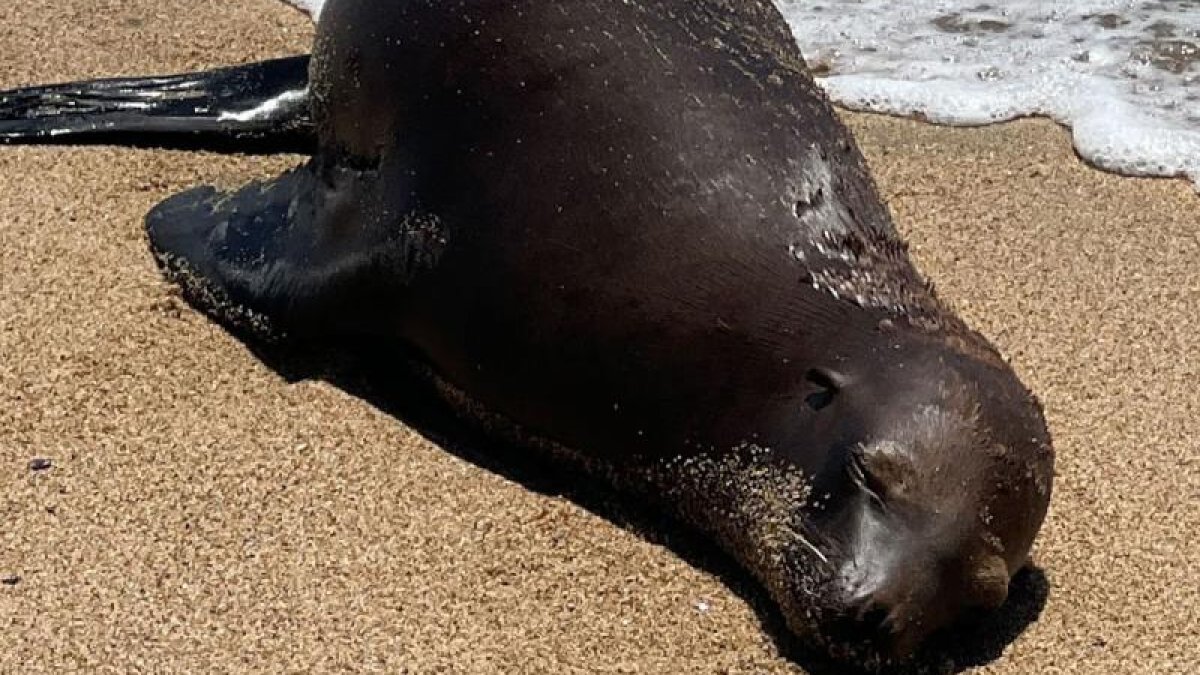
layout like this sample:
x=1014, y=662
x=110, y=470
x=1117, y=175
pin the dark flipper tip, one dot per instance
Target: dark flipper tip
x=252, y=108
x=184, y=235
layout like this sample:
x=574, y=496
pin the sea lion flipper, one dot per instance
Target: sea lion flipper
x=297, y=255
x=222, y=248
x=247, y=108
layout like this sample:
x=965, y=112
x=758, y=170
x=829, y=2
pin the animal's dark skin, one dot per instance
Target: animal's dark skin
x=638, y=231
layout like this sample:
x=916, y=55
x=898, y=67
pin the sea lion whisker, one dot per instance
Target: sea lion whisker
x=812, y=548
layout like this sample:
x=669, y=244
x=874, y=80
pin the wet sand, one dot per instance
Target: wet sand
x=204, y=514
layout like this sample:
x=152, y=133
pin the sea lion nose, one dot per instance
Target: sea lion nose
x=881, y=628
x=988, y=581
x=895, y=615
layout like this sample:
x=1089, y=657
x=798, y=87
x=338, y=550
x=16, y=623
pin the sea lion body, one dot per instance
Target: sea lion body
x=620, y=206
x=638, y=233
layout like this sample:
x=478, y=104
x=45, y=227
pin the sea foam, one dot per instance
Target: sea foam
x=310, y=7
x=1124, y=76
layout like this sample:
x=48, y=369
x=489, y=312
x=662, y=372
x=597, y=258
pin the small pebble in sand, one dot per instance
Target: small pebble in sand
x=40, y=464
x=10, y=579
x=702, y=606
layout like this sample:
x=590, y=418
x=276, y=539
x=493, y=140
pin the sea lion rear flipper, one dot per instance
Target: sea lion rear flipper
x=253, y=107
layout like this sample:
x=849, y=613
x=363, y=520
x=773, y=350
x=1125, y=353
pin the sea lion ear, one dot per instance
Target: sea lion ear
x=886, y=469
x=825, y=384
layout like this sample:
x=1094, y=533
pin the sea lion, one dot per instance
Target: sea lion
x=633, y=234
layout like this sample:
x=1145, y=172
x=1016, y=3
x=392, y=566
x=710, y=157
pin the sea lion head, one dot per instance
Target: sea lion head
x=927, y=505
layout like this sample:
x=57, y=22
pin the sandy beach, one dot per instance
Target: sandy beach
x=204, y=514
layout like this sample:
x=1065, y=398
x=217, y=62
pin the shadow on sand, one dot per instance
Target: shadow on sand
x=393, y=387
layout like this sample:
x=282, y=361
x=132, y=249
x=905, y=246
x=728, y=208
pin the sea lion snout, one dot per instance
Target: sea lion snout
x=901, y=579
x=890, y=613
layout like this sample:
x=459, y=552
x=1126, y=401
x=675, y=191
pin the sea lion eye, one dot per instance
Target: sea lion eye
x=864, y=479
x=826, y=388
x=882, y=470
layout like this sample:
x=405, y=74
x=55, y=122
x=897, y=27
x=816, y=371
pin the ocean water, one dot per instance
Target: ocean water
x=1124, y=76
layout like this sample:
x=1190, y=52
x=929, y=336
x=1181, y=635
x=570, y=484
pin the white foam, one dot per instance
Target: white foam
x=310, y=7
x=1124, y=75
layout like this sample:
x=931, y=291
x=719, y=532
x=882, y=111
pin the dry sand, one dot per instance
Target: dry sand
x=204, y=515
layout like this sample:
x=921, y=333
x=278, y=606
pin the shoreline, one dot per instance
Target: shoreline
x=1031, y=117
